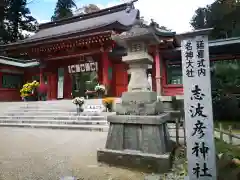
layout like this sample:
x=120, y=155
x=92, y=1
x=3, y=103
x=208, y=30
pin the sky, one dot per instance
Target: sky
x=174, y=14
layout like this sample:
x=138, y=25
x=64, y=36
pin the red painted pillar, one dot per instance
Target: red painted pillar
x=164, y=75
x=52, y=86
x=153, y=77
x=41, y=76
x=100, y=72
x=105, y=66
x=1, y=74
x=157, y=61
x=67, y=84
x=49, y=93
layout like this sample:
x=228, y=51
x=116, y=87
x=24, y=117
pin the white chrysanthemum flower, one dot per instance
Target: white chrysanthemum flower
x=78, y=100
x=100, y=88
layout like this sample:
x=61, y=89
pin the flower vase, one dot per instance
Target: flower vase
x=100, y=94
x=109, y=108
x=79, y=109
x=30, y=98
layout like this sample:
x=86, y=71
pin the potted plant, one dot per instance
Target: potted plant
x=108, y=103
x=100, y=90
x=79, y=101
x=28, y=91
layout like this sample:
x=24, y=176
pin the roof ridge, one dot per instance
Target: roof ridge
x=81, y=17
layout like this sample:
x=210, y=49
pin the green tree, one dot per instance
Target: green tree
x=222, y=15
x=18, y=19
x=63, y=9
x=3, y=28
x=226, y=90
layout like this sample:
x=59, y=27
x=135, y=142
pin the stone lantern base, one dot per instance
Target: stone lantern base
x=139, y=140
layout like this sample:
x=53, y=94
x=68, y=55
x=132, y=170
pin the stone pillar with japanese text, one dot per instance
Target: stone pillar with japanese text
x=201, y=152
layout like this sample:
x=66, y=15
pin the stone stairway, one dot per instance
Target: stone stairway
x=59, y=114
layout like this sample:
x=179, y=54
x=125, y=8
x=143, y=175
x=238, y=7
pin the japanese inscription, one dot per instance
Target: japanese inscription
x=198, y=109
x=189, y=59
x=201, y=68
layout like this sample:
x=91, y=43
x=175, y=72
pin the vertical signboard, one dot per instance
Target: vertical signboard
x=201, y=152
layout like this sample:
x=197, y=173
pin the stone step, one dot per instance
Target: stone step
x=40, y=110
x=58, y=126
x=43, y=107
x=69, y=122
x=39, y=113
x=52, y=113
x=50, y=117
x=49, y=107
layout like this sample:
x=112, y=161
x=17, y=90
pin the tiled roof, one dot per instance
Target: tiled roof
x=83, y=23
x=126, y=19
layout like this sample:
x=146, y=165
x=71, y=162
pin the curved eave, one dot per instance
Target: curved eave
x=164, y=33
x=18, y=63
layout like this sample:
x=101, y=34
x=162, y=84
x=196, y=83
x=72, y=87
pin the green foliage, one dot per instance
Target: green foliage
x=63, y=9
x=3, y=26
x=226, y=91
x=222, y=15
x=14, y=19
x=223, y=147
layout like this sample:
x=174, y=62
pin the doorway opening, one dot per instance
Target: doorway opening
x=83, y=81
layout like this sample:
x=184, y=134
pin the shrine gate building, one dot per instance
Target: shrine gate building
x=72, y=53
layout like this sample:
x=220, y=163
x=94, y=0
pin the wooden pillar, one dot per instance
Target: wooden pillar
x=153, y=77
x=41, y=76
x=52, y=86
x=100, y=71
x=49, y=93
x=67, y=84
x=157, y=62
x=1, y=75
x=105, y=66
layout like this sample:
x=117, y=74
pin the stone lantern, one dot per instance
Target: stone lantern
x=138, y=136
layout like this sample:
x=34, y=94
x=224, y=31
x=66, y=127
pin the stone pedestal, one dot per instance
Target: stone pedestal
x=138, y=136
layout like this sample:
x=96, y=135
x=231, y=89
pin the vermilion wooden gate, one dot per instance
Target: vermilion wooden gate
x=120, y=78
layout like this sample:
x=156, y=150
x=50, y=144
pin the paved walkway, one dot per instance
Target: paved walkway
x=42, y=154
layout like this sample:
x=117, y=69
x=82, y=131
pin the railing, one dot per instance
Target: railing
x=229, y=133
x=178, y=121
x=179, y=125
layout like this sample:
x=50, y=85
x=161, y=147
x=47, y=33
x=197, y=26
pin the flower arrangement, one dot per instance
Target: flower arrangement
x=100, y=90
x=28, y=89
x=78, y=101
x=108, y=103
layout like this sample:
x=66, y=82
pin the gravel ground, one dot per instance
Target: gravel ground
x=41, y=154
x=45, y=154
